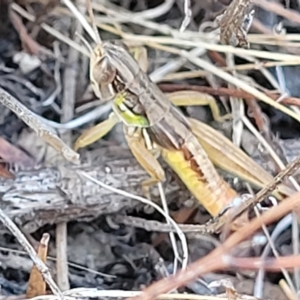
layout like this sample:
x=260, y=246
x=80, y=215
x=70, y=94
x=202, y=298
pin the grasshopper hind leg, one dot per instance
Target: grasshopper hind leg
x=185, y=98
x=140, y=55
x=146, y=158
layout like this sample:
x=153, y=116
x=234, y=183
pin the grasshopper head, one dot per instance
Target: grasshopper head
x=102, y=72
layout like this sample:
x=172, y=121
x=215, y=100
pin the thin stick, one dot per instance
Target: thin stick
x=46, y=133
x=150, y=225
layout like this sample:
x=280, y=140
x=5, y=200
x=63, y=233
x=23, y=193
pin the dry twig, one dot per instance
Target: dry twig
x=40, y=129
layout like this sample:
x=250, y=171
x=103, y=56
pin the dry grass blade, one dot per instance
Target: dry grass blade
x=41, y=129
x=188, y=39
x=279, y=9
x=14, y=155
x=57, y=34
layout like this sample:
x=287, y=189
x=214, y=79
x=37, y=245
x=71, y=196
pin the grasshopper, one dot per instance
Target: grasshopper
x=151, y=120
x=148, y=114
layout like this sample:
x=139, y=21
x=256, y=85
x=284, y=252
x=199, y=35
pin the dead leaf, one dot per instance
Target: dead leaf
x=36, y=284
x=14, y=155
x=4, y=172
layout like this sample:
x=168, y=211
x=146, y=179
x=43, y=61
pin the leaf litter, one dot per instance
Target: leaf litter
x=132, y=257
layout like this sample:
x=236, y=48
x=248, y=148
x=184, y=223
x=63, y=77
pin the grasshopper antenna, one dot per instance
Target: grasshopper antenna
x=85, y=42
x=81, y=18
x=91, y=14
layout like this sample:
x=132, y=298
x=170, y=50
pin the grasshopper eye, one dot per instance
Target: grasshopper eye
x=103, y=71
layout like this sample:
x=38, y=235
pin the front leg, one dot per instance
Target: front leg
x=95, y=133
x=145, y=157
x=185, y=98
